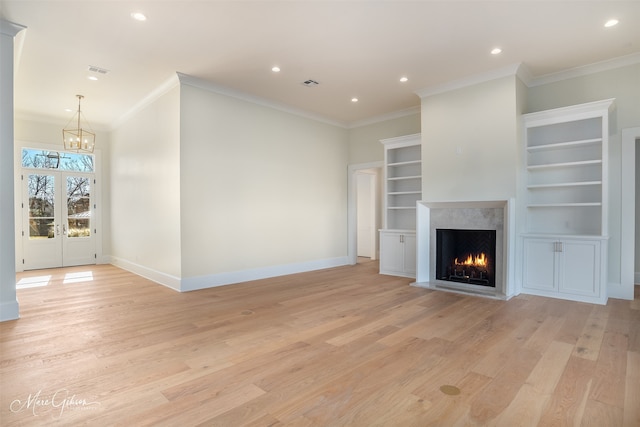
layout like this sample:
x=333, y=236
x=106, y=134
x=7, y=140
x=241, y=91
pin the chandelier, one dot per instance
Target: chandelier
x=79, y=140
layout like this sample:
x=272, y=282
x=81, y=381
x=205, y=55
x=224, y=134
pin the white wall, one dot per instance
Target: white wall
x=623, y=84
x=364, y=141
x=470, y=142
x=145, y=191
x=260, y=187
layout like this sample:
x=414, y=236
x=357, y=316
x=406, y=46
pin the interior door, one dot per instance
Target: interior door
x=58, y=212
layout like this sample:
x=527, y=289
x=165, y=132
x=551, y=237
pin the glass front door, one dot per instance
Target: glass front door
x=58, y=215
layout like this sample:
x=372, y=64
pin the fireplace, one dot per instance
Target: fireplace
x=466, y=256
x=493, y=216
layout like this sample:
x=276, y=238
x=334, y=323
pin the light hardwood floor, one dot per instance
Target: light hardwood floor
x=339, y=347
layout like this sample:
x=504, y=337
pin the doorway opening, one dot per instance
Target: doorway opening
x=364, y=211
x=630, y=211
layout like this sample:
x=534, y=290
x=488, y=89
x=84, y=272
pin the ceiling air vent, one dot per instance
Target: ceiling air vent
x=310, y=83
x=98, y=70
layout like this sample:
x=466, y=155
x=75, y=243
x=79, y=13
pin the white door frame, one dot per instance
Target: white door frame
x=352, y=220
x=630, y=136
x=97, y=188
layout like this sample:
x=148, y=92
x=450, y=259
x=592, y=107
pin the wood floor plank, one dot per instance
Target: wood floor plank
x=632, y=390
x=335, y=347
x=589, y=342
x=570, y=395
x=525, y=409
x=611, y=365
x=499, y=393
x=546, y=373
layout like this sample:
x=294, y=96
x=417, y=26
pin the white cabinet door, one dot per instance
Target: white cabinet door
x=391, y=253
x=540, y=269
x=580, y=269
x=398, y=253
x=410, y=248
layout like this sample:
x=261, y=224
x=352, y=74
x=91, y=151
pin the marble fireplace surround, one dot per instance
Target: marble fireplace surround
x=496, y=215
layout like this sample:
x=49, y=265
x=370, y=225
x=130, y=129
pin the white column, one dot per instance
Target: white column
x=9, y=309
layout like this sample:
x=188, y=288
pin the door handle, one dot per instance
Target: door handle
x=64, y=229
x=57, y=229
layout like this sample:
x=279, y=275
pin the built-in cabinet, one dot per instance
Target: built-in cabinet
x=402, y=190
x=566, y=202
x=398, y=253
x=570, y=268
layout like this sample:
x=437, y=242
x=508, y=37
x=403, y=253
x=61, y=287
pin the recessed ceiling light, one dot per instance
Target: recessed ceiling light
x=276, y=69
x=496, y=50
x=139, y=16
x=68, y=110
x=94, y=78
x=404, y=79
x=354, y=99
x=611, y=23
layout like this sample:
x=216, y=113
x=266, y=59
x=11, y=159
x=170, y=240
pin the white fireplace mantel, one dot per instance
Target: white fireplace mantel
x=425, y=277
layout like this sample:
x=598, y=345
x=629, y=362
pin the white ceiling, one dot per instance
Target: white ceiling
x=352, y=48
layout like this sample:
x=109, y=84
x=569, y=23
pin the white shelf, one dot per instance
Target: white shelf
x=564, y=205
x=399, y=178
x=412, y=162
x=397, y=193
x=564, y=165
x=563, y=185
x=563, y=145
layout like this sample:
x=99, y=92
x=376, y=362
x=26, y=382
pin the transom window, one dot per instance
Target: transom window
x=44, y=159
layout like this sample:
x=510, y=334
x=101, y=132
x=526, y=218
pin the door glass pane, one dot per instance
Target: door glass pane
x=41, y=206
x=78, y=206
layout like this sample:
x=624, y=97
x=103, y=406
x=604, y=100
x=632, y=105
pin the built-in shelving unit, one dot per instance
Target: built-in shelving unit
x=566, y=164
x=566, y=153
x=402, y=190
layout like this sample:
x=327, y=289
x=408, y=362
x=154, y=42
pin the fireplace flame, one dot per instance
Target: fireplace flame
x=476, y=261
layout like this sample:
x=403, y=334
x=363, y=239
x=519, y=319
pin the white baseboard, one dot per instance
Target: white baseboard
x=222, y=279
x=9, y=311
x=157, y=276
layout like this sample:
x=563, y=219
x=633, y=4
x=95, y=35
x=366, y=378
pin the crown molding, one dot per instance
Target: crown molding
x=384, y=117
x=585, y=70
x=510, y=70
x=223, y=90
x=165, y=87
x=9, y=28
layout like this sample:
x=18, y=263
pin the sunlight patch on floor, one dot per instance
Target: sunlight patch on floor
x=33, y=282
x=82, y=276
